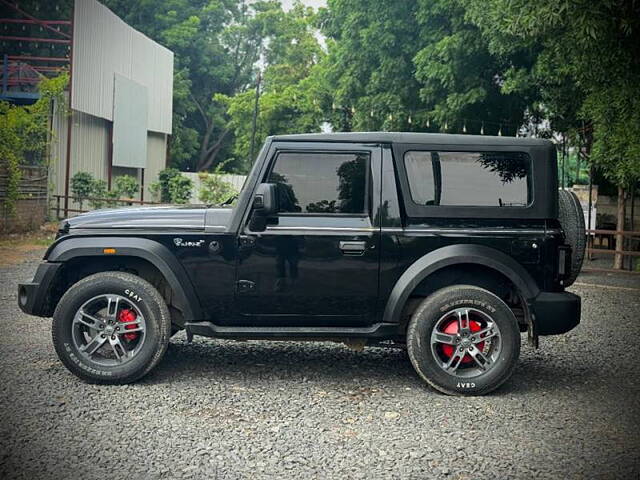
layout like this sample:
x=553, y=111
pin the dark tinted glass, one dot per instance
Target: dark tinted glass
x=321, y=182
x=483, y=179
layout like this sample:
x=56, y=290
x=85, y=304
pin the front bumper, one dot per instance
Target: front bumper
x=555, y=313
x=34, y=296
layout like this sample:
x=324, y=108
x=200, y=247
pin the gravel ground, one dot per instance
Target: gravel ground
x=218, y=409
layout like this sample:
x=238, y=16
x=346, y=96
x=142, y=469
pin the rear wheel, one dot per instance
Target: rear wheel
x=463, y=340
x=111, y=327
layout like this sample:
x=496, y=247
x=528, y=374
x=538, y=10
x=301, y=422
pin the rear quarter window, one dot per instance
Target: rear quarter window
x=470, y=179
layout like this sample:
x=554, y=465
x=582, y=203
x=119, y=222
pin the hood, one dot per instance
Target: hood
x=191, y=217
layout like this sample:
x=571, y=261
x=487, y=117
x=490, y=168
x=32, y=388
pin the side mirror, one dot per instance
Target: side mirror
x=265, y=202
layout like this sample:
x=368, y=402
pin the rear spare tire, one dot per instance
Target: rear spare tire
x=571, y=219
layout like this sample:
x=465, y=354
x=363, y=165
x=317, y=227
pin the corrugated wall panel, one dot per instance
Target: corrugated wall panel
x=156, y=160
x=89, y=149
x=104, y=45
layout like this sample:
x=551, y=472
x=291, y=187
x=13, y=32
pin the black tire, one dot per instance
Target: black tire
x=434, y=309
x=571, y=219
x=153, y=344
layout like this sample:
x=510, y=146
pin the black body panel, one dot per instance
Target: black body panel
x=316, y=275
x=153, y=251
x=141, y=218
x=556, y=313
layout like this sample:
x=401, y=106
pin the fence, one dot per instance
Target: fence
x=61, y=212
x=609, y=236
x=31, y=205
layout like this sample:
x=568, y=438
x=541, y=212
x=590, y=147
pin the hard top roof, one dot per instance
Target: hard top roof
x=412, y=137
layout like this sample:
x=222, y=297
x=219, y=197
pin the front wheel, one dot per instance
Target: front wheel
x=463, y=340
x=111, y=327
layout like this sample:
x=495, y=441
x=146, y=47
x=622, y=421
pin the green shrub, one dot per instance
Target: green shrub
x=81, y=186
x=164, y=178
x=98, y=191
x=126, y=186
x=180, y=189
x=214, y=190
x=154, y=190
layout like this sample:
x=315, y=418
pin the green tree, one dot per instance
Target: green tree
x=287, y=103
x=369, y=70
x=587, y=66
x=25, y=133
x=414, y=65
x=216, y=45
x=460, y=80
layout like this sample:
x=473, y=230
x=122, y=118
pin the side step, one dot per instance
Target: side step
x=208, y=329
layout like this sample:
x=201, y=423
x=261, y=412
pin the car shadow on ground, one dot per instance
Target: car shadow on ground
x=281, y=360
x=248, y=362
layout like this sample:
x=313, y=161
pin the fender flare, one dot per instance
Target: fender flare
x=454, y=255
x=155, y=253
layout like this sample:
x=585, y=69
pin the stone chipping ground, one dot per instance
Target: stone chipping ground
x=227, y=410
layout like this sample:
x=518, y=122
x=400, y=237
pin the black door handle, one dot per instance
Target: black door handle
x=352, y=248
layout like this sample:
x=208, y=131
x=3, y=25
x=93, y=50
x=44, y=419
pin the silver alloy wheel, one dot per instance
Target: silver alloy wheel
x=466, y=342
x=101, y=336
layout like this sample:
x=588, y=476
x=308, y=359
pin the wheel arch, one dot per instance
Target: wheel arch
x=88, y=251
x=450, y=256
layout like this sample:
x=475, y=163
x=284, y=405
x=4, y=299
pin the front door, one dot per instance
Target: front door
x=316, y=263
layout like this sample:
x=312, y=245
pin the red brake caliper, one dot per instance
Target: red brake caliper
x=126, y=316
x=452, y=328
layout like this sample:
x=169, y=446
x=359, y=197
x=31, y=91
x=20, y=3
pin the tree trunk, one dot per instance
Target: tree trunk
x=204, y=146
x=211, y=151
x=617, y=260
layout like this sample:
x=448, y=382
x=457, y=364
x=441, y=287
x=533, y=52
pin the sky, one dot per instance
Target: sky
x=286, y=4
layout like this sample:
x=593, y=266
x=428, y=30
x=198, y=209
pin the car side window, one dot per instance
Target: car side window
x=471, y=179
x=321, y=182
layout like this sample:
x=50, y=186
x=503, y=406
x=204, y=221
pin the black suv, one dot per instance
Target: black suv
x=449, y=244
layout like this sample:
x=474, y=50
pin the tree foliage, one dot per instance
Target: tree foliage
x=126, y=186
x=25, y=133
x=180, y=189
x=164, y=178
x=214, y=190
x=286, y=105
x=415, y=65
x=216, y=46
x=586, y=69
x=81, y=185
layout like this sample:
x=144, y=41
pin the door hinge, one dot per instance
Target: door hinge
x=245, y=286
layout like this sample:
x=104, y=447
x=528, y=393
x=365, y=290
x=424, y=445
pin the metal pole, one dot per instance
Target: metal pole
x=633, y=198
x=590, y=236
x=578, y=160
x=142, y=185
x=110, y=156
x=255, y=116
x=561, y=165
x=69, y=120
x=5, y=74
